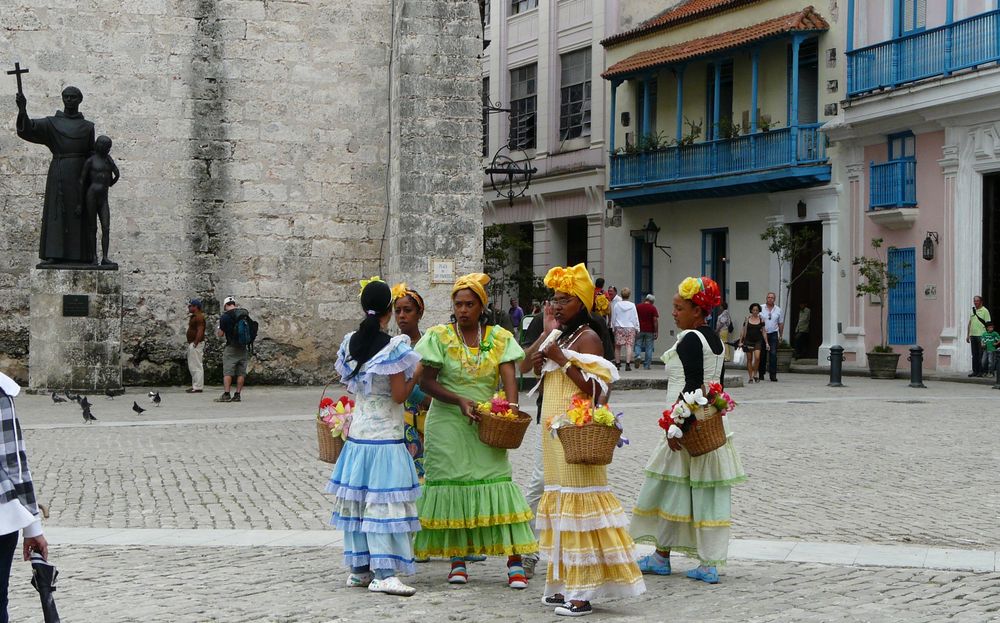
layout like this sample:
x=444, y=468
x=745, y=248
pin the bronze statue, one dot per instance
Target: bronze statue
x=99, y=174
x=70, y=138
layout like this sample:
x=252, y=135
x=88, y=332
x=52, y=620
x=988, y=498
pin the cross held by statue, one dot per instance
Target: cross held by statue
x=16, y=72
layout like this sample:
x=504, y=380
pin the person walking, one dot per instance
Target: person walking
x=18, y=508
x=753, y=341
x=649, y=329
x=723, y=328
x=470, y=503
x=196, y=346
x=625, y=323
x=802, y=331
x=685, y=501
x=374, y=483
x=234, y=355
x=774, y=328
x=977, y=326
x=582, y=523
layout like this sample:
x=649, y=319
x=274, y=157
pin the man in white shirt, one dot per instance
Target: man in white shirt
x=774, y=326
x=625, y=323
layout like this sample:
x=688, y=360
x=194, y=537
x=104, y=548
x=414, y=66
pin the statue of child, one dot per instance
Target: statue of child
x=99, y=174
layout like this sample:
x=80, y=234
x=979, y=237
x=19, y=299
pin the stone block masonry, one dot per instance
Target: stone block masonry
x=263, y=145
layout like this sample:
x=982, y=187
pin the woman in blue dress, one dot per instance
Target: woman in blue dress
x=374, y=483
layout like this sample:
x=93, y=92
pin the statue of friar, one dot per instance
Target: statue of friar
x=70, y=138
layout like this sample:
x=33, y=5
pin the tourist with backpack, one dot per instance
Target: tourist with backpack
x=240, y=332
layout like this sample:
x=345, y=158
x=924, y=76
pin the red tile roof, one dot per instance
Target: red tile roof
x=805, y=20
x=688, y=11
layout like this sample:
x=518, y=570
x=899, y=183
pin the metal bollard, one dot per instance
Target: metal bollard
x=996, y=385
x=917, y=367
x=836, y=365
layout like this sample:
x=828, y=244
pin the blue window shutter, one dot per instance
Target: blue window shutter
x=902, y=325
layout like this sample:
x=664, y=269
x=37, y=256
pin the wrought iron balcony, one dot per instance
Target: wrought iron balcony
x=938, y=51
x=893, y=184
x=762, y=162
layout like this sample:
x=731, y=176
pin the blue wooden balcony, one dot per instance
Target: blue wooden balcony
x=763, y=162
x=934, y=52
x=893, y=184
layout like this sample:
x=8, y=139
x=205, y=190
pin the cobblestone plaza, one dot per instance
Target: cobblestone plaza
x=873, y=502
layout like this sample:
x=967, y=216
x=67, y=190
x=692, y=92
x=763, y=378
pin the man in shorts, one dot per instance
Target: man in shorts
x=234, y=355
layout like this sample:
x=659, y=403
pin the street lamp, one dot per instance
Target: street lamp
x=929, y=242
x=649, y=235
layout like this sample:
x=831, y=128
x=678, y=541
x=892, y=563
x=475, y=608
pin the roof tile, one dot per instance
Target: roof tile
x=690, y=10
x=805, y=20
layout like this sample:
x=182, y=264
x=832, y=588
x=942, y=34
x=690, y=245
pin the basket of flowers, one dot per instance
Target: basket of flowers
x=500, y=426
x=588, y=435
x=333, y=421
x=695, y=420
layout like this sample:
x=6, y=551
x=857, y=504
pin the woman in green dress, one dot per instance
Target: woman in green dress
x=470, y=504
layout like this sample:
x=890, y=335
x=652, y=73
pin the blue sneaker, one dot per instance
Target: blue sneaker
x=705, y=574
x=649, y=565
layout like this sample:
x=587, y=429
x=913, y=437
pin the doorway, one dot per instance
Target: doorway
x=990, y=286
x=807, y=287
x=714, y=258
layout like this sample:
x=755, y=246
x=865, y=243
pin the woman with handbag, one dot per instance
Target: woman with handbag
x=684, y=503
x=582, y=524
x=753, y=341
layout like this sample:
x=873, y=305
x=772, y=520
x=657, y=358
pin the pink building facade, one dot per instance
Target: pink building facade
x=917, y=149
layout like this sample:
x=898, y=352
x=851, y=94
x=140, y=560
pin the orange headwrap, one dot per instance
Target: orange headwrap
x=574, y=280
x=475, y=282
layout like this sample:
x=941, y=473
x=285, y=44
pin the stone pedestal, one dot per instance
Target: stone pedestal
x=76, y=328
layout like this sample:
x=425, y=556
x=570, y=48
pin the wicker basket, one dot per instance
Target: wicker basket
x=590, y=444
x=329, y=445
x=499, y=432
x=704, y=436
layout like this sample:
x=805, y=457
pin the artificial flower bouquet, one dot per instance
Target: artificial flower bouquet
x=695, y=420
x=337, y=415
x=589, y=434
x=501, y=424
x=333, y=424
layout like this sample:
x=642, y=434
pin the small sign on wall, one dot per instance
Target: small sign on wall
x=442, y=271
x=930, y=291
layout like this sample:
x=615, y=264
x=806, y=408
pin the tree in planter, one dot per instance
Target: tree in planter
x=876, y=281
x=786, y=246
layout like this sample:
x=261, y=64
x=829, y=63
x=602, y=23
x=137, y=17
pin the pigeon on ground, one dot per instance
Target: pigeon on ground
x=111, y=393
x=73, y=397
x=88, y=417
x=84, y=403
x=57, y=399
x=135, y=407
x=154, y=397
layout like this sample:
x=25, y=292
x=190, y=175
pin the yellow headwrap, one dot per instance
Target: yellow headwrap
x=575, y=280
x=365, y=282
x=475, y=282
x=401, y=289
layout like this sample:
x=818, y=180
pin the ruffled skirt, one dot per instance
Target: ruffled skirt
x=375, y=489
x=685, y=502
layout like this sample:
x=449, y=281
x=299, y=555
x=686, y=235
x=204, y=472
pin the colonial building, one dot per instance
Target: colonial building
x=715, y=110
x=919, y=145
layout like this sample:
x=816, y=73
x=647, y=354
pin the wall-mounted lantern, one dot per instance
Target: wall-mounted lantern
x=649, y=235
x=929, y=242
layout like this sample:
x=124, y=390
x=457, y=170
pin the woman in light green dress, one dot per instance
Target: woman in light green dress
x=470, y=504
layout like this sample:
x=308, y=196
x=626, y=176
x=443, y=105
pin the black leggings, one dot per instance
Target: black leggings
x=8, y=543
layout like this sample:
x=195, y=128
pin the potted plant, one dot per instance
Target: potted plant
x=785, y=355
x=693, y=134
x=765, y=123
x=876, y=281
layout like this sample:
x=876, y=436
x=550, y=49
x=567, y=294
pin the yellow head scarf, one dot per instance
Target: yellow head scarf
x=475, y=282
x=575, y=280
x=401, y=289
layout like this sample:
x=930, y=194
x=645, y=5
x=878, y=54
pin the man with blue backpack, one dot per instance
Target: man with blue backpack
x=240, y=332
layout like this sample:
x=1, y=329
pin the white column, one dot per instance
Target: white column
x=499, y=75
x=595, y=230
x=547, y=84
x=854, y=332
x=952, y=333
x=831, y=284
x=599, y=88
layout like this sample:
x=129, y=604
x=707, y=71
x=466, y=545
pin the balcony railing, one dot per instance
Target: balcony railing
x=893, y=184
x=746, y=154
x=939, y=51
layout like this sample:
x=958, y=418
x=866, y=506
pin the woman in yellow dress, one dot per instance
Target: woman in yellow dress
x=470, y=504
x=582, y=525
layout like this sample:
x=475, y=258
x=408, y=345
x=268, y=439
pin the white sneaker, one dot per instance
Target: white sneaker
x=529, y=562
x=359, y=580
x=391, y=586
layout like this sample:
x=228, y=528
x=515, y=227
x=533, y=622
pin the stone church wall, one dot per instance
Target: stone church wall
x=265, y=146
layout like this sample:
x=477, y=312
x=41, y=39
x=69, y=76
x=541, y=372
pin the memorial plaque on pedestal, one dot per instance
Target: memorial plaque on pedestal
x=76, y=327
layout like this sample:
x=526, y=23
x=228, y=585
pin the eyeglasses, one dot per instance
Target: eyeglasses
x=562, y=301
